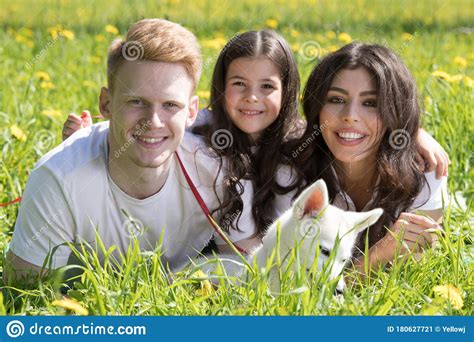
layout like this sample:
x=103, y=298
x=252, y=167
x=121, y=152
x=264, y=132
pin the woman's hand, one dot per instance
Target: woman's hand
x=433, y=154
x=415, y=233
x=75, y=123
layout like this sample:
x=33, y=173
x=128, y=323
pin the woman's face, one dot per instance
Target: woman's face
x=352, y=127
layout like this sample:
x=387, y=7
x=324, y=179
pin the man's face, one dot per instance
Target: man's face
x=149, y=108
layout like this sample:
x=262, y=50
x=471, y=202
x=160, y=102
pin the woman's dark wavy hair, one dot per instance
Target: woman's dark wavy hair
x=400, y=178
x=260, y=164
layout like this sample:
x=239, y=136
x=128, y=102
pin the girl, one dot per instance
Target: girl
x=363, y=100
x=254, y=102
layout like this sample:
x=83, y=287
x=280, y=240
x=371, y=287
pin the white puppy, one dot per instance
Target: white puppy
x=311, y=223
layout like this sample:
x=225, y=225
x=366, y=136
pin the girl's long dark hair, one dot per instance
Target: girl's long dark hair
x=257, y=161
x=398, y=162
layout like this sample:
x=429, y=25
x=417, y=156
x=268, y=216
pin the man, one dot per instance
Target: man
x=120, y=179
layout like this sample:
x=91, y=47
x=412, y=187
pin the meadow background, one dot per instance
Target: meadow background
x=54, y=60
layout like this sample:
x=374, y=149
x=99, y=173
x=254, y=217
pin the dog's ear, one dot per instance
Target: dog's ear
x=312, y=201
x=366, y=219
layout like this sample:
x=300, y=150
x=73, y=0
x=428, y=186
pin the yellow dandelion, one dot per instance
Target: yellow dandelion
x=407, y=36
x=95, y=60
x=111, y=29
x=54, y=31
x=450, y=292
x=332, y=48
x=42, y=75
x=72, y=305
x=53, y=113
x=469, y=81
x=88, y=84
x=47, y=85
x=206, y=288
x=100, y=38
x=18, y=133
x=68, y=34
x=460, y=61
x=282, y=311
x=295, y=33
x=295, y=47
x=441, y=74
x=331, y=34
x=24, y=40
x=344, y=37
x=217, y=43
x=457, y=78
x=199, y=274
x=204, y=94
x=271, y=23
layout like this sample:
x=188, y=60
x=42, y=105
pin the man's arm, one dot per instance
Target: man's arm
x=17, y=270
x=44, y=221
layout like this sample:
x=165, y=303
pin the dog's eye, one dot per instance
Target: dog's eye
x=324, y=251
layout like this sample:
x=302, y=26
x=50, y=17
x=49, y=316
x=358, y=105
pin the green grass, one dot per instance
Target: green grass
x=442, y=39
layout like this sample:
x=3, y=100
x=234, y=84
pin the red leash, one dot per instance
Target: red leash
x=16, y=200
x=205, y=209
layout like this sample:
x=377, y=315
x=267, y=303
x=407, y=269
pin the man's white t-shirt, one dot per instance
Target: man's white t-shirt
x=70, y=196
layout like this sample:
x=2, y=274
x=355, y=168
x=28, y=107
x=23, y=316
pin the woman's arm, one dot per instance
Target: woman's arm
x=415, y=232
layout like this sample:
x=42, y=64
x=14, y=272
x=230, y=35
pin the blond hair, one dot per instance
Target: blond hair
x=156, y=40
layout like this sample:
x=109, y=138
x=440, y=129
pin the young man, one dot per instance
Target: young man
x=120, y=179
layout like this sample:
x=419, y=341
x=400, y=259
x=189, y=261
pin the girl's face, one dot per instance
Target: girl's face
x=253, y=94
x=352, y=127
